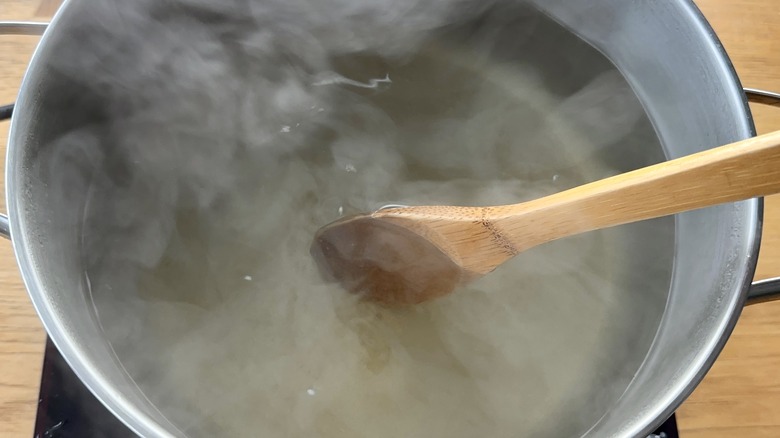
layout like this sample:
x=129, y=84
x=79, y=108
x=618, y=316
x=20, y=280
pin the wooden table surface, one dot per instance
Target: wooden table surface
x=740, y=397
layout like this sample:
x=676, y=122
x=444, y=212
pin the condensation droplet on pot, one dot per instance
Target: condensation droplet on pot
x=311, y=391
x=350, y=168
x=248, y=277
x=285, y=128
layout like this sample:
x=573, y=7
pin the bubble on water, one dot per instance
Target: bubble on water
x=350, y=168
x=248, y=277
x=285, y=128
x=341, y=210
x=311, y=391
x=556, y=177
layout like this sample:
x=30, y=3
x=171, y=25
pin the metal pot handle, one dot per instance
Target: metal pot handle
x=769, y=289
x=763, y=97
x=32, y=28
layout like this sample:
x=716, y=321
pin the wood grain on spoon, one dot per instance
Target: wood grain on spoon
x=410, y=255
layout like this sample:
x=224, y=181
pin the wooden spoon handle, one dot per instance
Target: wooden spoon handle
x=735, y=172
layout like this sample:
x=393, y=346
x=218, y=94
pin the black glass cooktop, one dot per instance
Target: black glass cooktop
x=66, y=409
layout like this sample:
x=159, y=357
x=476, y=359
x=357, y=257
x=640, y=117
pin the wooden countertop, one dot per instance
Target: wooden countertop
x=740, y=397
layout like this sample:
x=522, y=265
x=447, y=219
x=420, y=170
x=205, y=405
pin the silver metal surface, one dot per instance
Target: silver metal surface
x=679, y=70
x=764, y=290
x=688, y=87
x=22, y=27
x=768, y=289
x=4, y=230
x=763, y=97
x=67, y=316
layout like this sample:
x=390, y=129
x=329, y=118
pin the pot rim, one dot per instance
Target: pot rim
x=136, y=420
x=754, y=211
x=142, y=424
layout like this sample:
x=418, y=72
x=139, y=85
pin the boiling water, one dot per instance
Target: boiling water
x=229, y=330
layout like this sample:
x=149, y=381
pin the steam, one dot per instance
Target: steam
x=206, y=141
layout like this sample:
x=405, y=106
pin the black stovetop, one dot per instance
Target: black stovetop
x=66, y=409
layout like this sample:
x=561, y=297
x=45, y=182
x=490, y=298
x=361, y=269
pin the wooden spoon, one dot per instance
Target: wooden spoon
x=409, y=255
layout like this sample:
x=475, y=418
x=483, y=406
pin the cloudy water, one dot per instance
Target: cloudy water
x=225, y=134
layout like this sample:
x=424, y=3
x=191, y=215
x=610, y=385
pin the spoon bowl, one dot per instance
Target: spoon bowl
x=384, y=262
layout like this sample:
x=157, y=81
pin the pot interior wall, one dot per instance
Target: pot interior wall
x=682, y=75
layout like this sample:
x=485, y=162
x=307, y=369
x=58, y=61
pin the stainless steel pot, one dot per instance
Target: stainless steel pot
x=684, y=79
